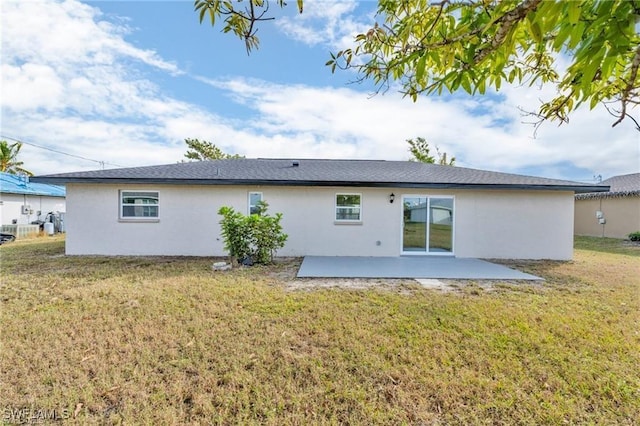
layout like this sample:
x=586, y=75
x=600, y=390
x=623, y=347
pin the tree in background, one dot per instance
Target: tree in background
x=9, y=159
x=431, y=47
x=442, y=158
x=203, y=150
x=421, y=151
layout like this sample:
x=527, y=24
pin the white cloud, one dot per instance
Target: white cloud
x=68, y=33
x=31, y=85
x=326, y=22
x=71, y=61
x=348, y=123
x=71, y=81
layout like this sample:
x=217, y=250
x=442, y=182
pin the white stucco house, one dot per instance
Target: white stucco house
x=329, y=207
x=23, y=201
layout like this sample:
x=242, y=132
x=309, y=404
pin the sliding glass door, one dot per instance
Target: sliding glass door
x=427, y=225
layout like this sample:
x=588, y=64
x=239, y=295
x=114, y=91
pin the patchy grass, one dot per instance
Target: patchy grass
x=607, y=245
x=166, y=341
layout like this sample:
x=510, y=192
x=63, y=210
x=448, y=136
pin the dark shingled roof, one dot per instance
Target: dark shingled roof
x=620, y=186
x=360, y=173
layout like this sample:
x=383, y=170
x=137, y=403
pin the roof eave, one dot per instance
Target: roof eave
x=607, y=194
x=363, y=184
x=37, y=194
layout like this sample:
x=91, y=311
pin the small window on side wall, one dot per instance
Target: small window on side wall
x=137, y=205
x=348, y=207
x=254, y=199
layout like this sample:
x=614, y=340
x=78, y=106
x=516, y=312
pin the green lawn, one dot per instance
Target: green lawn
x=607, y=245
x=166, y=341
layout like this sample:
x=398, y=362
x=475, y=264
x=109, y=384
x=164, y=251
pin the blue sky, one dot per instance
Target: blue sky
x=126, y=82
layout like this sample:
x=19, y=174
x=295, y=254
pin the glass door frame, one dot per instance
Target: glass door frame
x=426, y=252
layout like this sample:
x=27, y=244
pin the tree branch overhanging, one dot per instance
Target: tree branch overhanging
x=507, y=22
x=625, y=99
x=447, y=45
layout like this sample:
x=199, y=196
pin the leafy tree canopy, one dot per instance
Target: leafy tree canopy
x=421, y=151
x=9, y=159
x=432, y=47
x=203, y=150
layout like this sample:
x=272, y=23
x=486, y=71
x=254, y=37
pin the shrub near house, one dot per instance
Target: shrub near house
x=252, y=238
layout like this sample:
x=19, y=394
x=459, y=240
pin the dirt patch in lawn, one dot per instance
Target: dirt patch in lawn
x=396, y=285
x=410, y=286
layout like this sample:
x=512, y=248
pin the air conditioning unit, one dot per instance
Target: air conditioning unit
x=26, y=209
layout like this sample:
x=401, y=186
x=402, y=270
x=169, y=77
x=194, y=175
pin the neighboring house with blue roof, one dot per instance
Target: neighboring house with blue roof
x=329, y=207
x=22, y=201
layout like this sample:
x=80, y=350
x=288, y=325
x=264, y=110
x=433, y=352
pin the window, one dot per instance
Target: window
x=348, y=207
x=138, y=205
x=254, y=199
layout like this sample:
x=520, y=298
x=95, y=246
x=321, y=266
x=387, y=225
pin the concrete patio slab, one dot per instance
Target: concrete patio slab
x=407, y=267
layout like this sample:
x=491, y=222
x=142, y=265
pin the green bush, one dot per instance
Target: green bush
x=234, y=229
x=634, y=236
x=253, y=238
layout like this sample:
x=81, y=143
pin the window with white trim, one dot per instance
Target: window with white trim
x=139, y=204
x=348, y=207
x=254, y=199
